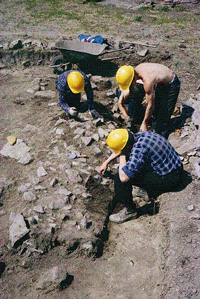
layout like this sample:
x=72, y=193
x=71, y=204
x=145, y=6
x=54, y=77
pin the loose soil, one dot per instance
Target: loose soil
x=153, y=256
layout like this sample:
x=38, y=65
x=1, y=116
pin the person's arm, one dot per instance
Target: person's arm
x=150, y=95
x=90, y=99
x=63, y=104
x=124, y=95
x=89, y=93
x=123, y=177
x=104, y=165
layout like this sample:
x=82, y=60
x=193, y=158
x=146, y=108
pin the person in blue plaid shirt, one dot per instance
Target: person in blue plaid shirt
x=70, y=84
x=146, y=160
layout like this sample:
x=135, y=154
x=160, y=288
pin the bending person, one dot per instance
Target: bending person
x=146, y=160
x=70, y=84
x=161, y=86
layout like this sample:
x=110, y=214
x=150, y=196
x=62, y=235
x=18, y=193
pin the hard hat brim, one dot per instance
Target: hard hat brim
x=77, y=91
x=124, y=87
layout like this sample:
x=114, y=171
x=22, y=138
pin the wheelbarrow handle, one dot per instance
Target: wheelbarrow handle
x=112, y=51
x=112, y=58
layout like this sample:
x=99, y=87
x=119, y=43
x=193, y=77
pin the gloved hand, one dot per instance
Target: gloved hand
x=95, y=114
x=73, y=111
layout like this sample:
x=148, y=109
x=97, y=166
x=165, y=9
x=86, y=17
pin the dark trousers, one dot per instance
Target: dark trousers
x=153, y=183
x=166, y=96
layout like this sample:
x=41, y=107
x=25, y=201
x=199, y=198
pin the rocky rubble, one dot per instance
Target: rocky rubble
x=61, y=198
x=66, y=201
x=187, y=139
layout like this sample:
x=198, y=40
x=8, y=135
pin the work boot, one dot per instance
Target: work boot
x=124, y=215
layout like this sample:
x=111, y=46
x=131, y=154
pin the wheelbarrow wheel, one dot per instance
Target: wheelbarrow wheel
x=57, y=61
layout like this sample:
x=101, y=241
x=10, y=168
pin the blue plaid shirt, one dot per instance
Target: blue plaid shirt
x=69, y=99
x=151, y=152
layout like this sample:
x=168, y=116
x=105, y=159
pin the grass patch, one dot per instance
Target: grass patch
x=138, y=19
x=180, y=8
x=164, y=8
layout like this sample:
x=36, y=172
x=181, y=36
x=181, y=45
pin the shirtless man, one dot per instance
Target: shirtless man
x=161, y=88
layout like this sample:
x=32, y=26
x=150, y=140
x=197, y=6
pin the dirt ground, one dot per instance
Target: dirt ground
x=151, y=257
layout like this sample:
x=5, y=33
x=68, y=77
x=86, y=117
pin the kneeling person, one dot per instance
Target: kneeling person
x=146, y=160
x=70, y=84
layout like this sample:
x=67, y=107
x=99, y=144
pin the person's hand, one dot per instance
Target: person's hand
x=143, y=127
x=73, y=111
x=127, y=119
x=103, y=168
x=144, y=103
x=95, y=114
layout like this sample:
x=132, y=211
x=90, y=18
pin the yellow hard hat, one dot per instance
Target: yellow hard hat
x=124, y=76
x=76, y=82
x=117, y=140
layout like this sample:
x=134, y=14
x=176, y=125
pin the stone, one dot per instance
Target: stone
x=39, y=188
x=197, y=169
x=87, y=140
x=110, y=94
x=12, y=139
x=195, y=217
x=16, y=44
x=27, y=43
x=60, y=121
x=98, y=122
x=17, y=230
x=57, y=204
x=18, y=151
x=51, y=46
x=31, y=90
x=33, y=219
x=59, y=131
x=72, y=156
x=53, y=182
x=190, y=207
x=30, y=128
x=26, y=63
x=29, y=196
x=95, y=137
x=73, y=176
x=54, y=278
x=39, y=209
x=41, y=171
x=102, y=133
x=38, y=43
x=67, y=208
x=143, y=52
x=47, y=94
x=88, y=247
x=96, y=150
x=115, y=107
x=23, y=188
x=80, y=131
x=64, y=191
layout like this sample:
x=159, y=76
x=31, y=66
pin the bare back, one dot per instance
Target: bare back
x=153, y=73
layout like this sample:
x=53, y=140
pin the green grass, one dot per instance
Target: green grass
x=90, y=16
x=138, y=19
x=164, y=8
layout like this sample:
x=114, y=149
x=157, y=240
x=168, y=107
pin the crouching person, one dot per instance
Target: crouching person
x=70, y=84
x=146, y=160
